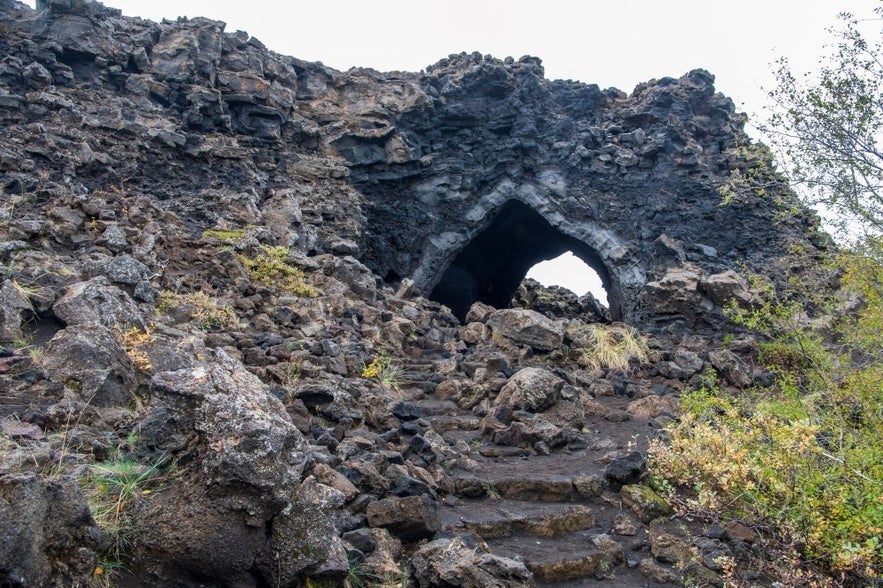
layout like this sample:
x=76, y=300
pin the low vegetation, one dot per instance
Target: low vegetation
x=208, y=312
x=271, y=268
x=612, y=347
x=803, y=457
x=383, y=370
x=133, y=341
x=112, y=488
x=233, y=236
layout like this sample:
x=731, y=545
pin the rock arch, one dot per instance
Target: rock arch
x=495, y=259
x=633, y=184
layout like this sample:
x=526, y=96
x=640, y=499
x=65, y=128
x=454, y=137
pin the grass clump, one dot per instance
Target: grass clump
x=208, y=312
x=112, y=488
x=610, y=346
x=271, y=268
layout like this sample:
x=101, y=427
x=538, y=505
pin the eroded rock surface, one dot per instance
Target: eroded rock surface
x=282, y=294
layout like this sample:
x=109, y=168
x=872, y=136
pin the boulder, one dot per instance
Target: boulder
x=526, y=327
x=89, y=359
x=304, y=539
x=455, y=562
x=244, y=456
x=730, y=367
x=726, y=288
x=650, y=407
x=532, y=389
x=98, y=301
x=676, y=293
x=48, y=535
x=409, y=518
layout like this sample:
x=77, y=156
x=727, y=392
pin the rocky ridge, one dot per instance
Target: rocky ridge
x=217, y=272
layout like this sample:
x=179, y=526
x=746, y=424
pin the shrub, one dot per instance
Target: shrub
x=803, y=457
x=384, y=371
x=270, y=268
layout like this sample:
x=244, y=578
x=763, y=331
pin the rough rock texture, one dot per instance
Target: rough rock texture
x=246, y=277
x=460, y=177
x=250, y=456
x=532, y=389
x=451, y=562
x=48, y=533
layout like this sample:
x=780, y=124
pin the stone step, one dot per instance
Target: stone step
x=561, y=558
x=559, y=477
x=495, y=518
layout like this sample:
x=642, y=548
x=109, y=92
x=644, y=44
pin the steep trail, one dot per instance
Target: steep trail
x=558, y=512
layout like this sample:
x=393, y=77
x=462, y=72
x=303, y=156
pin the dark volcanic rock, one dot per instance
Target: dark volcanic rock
x=627, y=468
x=268, y=224
x=409, y=518
x=48, y=534
x=452, y=562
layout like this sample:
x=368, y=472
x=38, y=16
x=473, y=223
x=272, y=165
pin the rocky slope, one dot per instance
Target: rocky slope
x=226, y=359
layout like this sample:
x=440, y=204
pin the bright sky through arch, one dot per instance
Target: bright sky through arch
x=569, y=271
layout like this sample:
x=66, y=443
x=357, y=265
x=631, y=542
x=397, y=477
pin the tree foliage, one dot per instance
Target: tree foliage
x=827, y=126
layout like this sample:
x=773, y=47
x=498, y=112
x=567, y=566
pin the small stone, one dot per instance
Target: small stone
x=739, y=532
x=617, y=416
x=626, y=469
x=626, y=525
x=361, y=539
x=657, y=572
x=588, y=486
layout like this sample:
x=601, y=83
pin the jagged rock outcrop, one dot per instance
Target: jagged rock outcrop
x=281, y=293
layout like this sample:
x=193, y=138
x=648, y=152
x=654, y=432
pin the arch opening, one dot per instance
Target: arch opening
x=492, y=265
x=570, y=272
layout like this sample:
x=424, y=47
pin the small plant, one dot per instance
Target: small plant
x=133, y=341
x=384, y=371
x=206, y=310
x=492, y=491
x=271, y=268
x=228, y=235
x=358, y=576
x=111, y=488
x=610, y=346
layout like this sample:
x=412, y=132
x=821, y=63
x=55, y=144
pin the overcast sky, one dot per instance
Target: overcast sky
x=617, y=43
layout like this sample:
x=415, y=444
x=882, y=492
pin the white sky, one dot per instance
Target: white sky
x=616, y=43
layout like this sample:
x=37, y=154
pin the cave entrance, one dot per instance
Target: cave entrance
x=492, y=265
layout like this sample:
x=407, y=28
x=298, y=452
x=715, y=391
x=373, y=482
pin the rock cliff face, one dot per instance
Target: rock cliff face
x=459, y=178
x=279, y=294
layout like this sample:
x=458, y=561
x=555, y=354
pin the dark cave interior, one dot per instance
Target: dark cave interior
x=493, y=264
